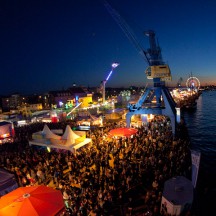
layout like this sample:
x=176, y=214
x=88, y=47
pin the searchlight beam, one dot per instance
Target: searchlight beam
x=74, y=108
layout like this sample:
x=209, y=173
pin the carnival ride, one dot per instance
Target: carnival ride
x=193, y=83
x=157, y=99
x=103, y=83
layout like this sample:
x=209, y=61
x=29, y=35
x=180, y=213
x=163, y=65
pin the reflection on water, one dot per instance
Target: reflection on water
x=201, y=124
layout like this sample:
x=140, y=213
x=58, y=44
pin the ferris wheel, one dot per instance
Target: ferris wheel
x=193, y=83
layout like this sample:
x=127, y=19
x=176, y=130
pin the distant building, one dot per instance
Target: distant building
x=58, y=99
x=85, y=100
x=41, y=100
x=11, y=102
x=27, y=110
x=70, y=97
x=17, y=101
x=53, y=99
x=35, y=107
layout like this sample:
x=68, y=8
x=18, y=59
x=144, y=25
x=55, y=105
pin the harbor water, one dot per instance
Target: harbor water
x=201, y=124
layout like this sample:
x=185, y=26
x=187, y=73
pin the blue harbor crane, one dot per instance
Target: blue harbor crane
x=157, y=99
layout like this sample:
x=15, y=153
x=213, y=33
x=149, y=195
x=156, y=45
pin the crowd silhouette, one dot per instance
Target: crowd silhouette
x=112, y=176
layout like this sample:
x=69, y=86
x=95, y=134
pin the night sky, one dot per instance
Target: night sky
x=49, y=45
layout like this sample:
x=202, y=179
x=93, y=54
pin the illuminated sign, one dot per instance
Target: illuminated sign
x=83, y=127
x=5, y=135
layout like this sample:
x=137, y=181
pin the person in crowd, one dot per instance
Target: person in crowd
x=104, y=175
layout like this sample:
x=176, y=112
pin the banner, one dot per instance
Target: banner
x=195, y=158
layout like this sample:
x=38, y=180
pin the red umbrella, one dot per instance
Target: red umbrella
x=123, y=132
x=32, y=201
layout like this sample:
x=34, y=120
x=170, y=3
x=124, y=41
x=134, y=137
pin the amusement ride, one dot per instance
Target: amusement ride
x=193, y=83
x=103, y=83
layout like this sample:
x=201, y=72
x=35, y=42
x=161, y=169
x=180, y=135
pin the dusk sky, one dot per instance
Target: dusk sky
x=49, y=45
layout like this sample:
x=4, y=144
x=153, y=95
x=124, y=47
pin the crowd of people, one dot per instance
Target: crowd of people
x=112, y=176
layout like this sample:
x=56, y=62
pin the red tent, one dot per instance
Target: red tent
x=35, y=201
x=123, y=132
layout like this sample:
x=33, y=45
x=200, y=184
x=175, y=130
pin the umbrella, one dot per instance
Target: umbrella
x=123, y=132
x=34, y=201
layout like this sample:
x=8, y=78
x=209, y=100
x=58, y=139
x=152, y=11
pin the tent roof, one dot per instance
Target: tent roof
x=65, y=146
x=2, y=123
x=178, y=190
x=69, y=134
x=123, y=132
x=34, y=201
x=49, y=134
x=67, y=141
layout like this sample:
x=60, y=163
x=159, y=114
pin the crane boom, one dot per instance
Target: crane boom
x=157, y=68
x=127, y=30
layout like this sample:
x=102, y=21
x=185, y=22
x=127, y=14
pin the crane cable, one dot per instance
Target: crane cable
x=127, y=30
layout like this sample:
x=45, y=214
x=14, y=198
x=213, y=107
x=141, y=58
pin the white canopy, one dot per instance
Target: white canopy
x=66, y=141
x=49, y=134
x=69, y=135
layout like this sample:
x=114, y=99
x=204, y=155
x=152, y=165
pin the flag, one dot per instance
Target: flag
x=195, y=158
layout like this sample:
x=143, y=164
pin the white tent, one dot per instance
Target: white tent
x=69, y=140
x=49, y=134
x=69, y=135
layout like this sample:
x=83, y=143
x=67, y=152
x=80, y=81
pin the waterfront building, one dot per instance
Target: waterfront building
x=70, y=98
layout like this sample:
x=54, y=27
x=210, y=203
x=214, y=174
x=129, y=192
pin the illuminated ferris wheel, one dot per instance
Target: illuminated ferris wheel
x=193, y=83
